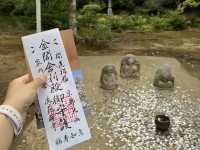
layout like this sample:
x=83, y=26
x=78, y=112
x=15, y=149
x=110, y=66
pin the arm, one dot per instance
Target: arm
x=7, y=132
x=20, y=95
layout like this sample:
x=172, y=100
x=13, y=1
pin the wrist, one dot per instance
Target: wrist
x=15, y=105
x=13, y=116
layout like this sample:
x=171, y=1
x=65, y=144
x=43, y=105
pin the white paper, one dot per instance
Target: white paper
x=63, y=115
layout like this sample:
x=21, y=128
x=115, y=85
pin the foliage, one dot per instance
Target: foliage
x=91, y=8
x=159, y=23
x=98, y=29
x=24, y=8
x=6, y=6
x=100, y=36
x=187, y=3
x=123, y=5
x=88, y=15
x=117, y=22
x=176, y=21
x=153, y=6
x=54, y=14
x=195, y=22
x=170, y=21
x=19, y=23
x=143, y=15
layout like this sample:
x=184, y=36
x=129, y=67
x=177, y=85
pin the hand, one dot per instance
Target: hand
x=22, y=92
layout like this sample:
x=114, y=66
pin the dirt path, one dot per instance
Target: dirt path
x=166, y=43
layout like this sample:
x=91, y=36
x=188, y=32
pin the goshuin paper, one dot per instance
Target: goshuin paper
x=71, y=51
x=62, y=112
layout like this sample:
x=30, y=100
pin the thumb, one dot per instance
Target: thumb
x=37, y=82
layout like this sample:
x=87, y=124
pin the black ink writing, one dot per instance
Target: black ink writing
x=44, y=45
x=47, y=56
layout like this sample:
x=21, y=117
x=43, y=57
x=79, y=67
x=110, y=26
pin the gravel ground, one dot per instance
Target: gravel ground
x=130, y=120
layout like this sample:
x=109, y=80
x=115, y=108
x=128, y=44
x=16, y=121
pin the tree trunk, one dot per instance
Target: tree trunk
x=72, y=16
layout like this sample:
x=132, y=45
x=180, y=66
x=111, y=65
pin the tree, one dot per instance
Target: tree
x=6, y=7
x=128, y=5
x=187, y=3
x=72, y=16
x=54, y=14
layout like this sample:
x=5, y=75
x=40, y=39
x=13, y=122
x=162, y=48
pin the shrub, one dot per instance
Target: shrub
x=152, y=6
x=50, y=21
x=176, y=21
x=103, y=19
x=138, y=20
x=121, y=5
x=6, y=7
x=169, y=21
x=159, y=23
x=88, y=15
x=24, y=8
x=129, y=22
x=86, y=20
x=19, y=23
x=91, y=8
x=96, y=27
x=118, y=22
x=195, y=22
x=100, y=36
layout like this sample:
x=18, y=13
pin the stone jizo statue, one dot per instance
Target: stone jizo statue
x=108, y=79
x=163, y=77
x=130, y=67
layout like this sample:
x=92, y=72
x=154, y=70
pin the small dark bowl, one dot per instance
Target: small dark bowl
x=162, y=123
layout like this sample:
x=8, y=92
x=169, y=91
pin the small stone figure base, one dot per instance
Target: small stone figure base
x=164, y=85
